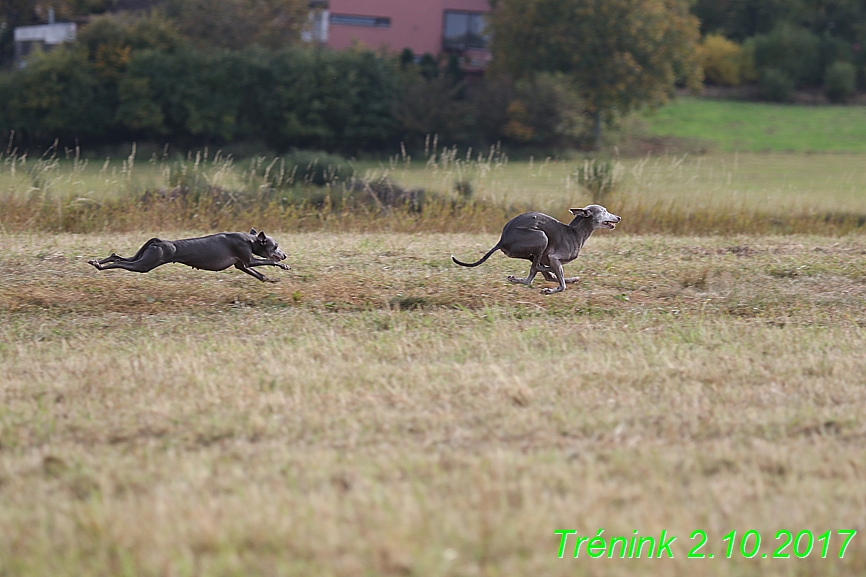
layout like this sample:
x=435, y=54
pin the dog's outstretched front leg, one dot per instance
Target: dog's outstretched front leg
x=556, y=267
x=255, y=273
x=552, y=278
x=548, y=275
x=264, y=262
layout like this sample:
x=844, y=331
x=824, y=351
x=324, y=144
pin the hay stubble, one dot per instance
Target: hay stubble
x=381, y=412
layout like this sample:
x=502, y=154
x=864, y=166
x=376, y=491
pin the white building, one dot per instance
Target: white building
x=42, y=37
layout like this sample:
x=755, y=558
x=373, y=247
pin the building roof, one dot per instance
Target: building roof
x=56, y=33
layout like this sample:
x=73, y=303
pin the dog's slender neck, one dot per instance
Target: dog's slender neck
x=582, y=227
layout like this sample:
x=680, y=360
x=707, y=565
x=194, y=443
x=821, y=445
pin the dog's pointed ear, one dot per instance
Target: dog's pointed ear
x=253, y=231
x=262, y=237
x=580, y=212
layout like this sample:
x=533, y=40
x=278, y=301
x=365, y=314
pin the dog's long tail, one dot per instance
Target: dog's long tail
x=483, y=258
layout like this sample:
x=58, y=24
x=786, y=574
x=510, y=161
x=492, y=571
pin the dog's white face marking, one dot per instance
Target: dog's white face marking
x=601, y=218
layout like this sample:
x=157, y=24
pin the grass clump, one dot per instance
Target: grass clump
x=598, y=178
x=318, y=168
x=840, y=82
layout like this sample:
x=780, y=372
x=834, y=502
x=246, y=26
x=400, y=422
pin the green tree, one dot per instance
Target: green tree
x=234, y=24
x=58, y=94
x=150, y=32
x=622, y=54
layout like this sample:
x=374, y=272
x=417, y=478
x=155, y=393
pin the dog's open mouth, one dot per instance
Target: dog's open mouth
x=610, y=225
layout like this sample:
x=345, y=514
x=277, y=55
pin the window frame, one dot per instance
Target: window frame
x=448, y=45
x=359, y=20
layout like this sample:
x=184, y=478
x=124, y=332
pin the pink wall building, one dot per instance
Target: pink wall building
x=432, y=26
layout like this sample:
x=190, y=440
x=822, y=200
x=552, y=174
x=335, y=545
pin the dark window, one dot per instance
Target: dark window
x=366, y=21
x=464, y=30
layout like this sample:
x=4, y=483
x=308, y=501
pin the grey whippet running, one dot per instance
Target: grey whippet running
x=212, y=252
x=548, y=243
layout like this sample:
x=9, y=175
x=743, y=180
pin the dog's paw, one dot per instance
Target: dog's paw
x=93, y=262
x=516, y=279
x=284, y=266
x=266, y=279
x=550, y=291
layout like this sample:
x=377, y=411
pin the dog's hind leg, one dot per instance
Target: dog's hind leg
x=111, y=258
x=534, y=269
x=114, y=257
x=150, y=256
x=525, y=243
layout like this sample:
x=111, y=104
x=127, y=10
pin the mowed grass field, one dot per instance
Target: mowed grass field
x=762, y=127
x=381, y=411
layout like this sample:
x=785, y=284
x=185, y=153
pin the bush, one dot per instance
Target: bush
x=188, y=94
x=776, y=85
x=791, y=49
x=319, y=168
x=320, y=99
x=550, y=107
x=748, y=71
x=489, y=101
x=840, y=81
x=723, y=61
x=545, y=111
x=432, y=106
x=834, y=49
x=598, y=178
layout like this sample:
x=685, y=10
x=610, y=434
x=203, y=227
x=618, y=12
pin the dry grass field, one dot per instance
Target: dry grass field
x=381, y=411
x=669, y=194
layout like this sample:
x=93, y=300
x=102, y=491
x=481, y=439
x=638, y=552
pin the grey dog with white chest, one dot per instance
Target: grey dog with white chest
x=548, y=243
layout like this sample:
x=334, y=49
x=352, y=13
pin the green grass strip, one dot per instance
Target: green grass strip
x=761, y=127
